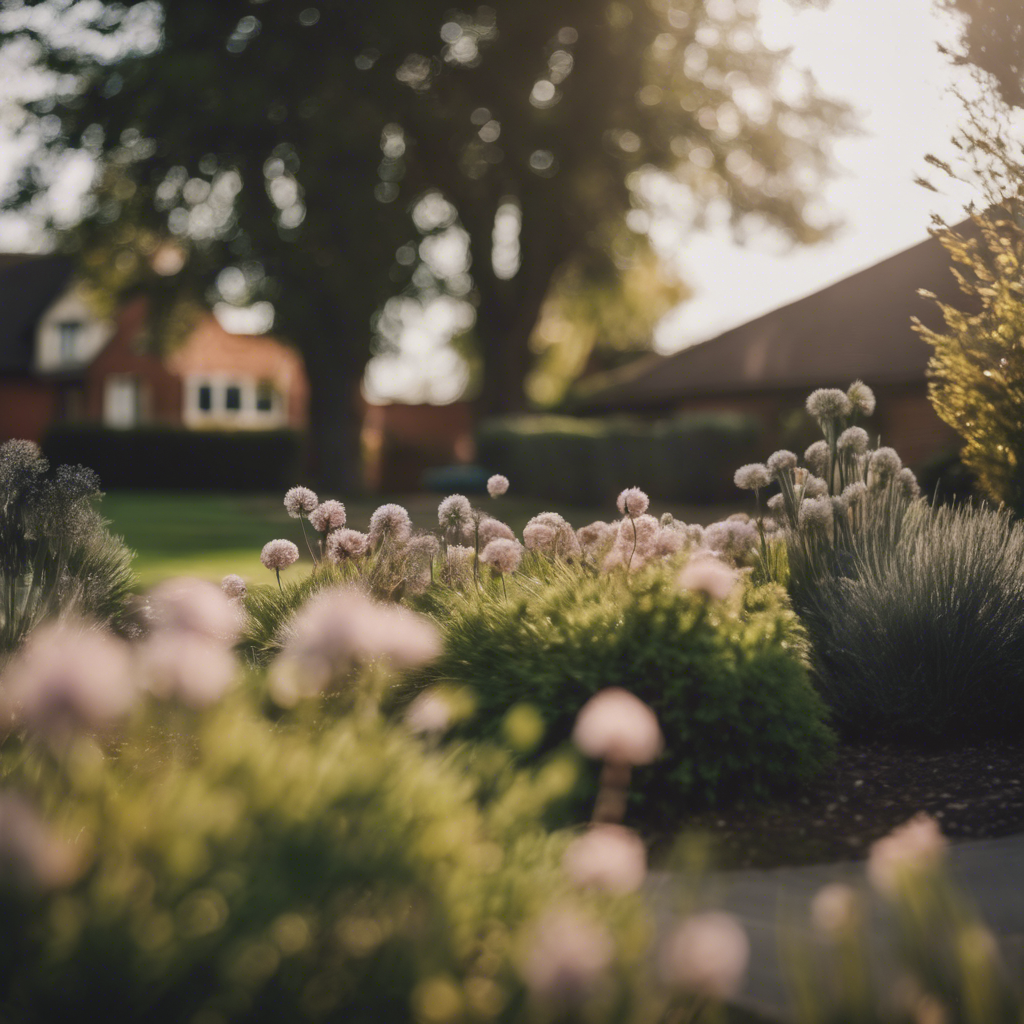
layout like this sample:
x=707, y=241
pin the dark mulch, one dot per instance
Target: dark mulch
x=975, y=792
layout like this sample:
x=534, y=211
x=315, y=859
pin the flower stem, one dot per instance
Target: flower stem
x=633, y=552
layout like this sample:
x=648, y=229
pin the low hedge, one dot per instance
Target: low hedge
x=170, y=458
x=690, y=458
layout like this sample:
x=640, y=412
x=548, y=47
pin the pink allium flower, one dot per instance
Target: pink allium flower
x=342, y=627
x=454, y=512
x=425, y=544
x=815, y=487
x=29, y=852
x=492, y=529
x=670, y=541
x=733, y=539
x=861, y=397
x=540, y=537
x=502, y=555
x=632, y=502
x=234, y=586
x=780, y=461
x=608, y=857
x=566, y=955
x=300, y=501
x=908, y=484
x=429, y=714
x=829, y=404
x=752, y=477
x=68, y=677
x=853, y=439
x=708, y=576
x=497, y=485
x=186, y=667
x=917, y=845
x=644, y=529
x=815, y=514
x=616, y=726
x=706, y=955
x=327, y=516
x=196, y=606
x=345, y=543
x=389, y=523
x=816, y=457
x=833, y=908
x=279, y=554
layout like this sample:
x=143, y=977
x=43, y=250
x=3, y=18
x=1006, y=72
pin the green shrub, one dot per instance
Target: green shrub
x=170, y=458
x=727, y=680
x=921, y=638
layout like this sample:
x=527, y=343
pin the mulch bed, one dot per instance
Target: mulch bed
x=975, y=792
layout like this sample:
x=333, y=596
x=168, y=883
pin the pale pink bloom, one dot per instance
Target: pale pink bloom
x=781, y=461
x=708, y=576
x=424, y=544
x=234, y=586
x=614, y=725
x=815, y=487
x=908, y=484
x=345, y=543
x=670, y=541
x=833, y=908
x=459, y=554
x=300, y=501
x=497, y=485
x=853, y=439
x=595, y=537
x=29, y=852
x=608, y=857
x=429, y=714
x=917, y=845
x=186, y=667
x=705, y=955
x=330, y=515
x=391, y=523
x=196, y=606
x=632, y=501
x=861, y=397
x=829, y=404
x=777, y=504
x=815, y=514
x=540, y=537
x=502, y=555
x=752, y=477
x=566, y=956
x=279, y=554
x=454, y=512
x=733, y=539
x=643, y=529
x=342, y=627
x=817, y=455
x=493, y=529
x=68, y=677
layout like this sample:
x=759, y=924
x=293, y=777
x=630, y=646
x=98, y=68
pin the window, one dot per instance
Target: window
x=233, y=398
x=68, y=332
x=121, y=401
x=265, y=396
x=204, y=397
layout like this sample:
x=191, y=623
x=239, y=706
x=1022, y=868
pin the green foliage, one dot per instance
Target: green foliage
x=921, y=638
x=588, y=461
x=324, y=870
x=172, y=459
x=727, y=680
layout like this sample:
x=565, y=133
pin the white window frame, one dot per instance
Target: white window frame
x=246, y=415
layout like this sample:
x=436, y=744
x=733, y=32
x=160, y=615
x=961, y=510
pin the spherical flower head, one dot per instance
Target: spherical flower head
x=855, y=492
x=614, y=725
x=834, y=909
x=596, y=537
x=708, y=576
x=607, y=857
x=345, y=543
x=493, y=529
x=779, y=462
x=497, y=485
x=279, y=554
x=454, y=512
x=459, y=554
x=430, y=714
x=861, y=397
x=885, y=463
x=829, y=404
x=186, y=667
x=816, y=457
x=840, y=505
x=815, y=514
x=566, y=954
x=234, y=586
x=916, y=846
x=300, y=501
x=502, y=555
x=706, y=955
x=540, y=537
x=30, y=854
x=197, y=607
x=390, y=523
x=777, y=504
x=424, y=544
x=643, y=531
x=330, y=515
x=632, y=502
x=669, y=542
x=853, y=439
x=752, y=477
x=733, y=539
x=815, y=487
x=68, y=678
x=908, y=485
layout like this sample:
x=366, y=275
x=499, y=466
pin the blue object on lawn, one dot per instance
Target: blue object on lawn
x=457, y=479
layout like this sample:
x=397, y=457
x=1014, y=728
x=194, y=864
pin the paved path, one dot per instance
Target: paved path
x=989, y=871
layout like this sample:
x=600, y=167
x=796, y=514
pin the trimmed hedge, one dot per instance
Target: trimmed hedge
x=689, y=459
x=170, y=458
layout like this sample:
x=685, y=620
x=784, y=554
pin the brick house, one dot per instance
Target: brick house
x=60, y=362
x=857, y=328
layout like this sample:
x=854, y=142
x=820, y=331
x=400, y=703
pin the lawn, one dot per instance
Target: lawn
x=211, y=535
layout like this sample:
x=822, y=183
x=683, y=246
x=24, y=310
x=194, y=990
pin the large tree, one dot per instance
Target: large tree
x=311, y=148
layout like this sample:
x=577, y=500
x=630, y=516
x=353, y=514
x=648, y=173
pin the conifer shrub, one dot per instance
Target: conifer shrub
x=727, y=678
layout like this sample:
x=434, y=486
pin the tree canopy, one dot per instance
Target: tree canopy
x=331, y=156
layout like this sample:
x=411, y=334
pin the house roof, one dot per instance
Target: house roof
x=857, y=328
x=28, y=286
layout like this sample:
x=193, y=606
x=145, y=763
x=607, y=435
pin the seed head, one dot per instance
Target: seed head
x=829, y=404
x=497, y=485
x=861, y=397
x=330, y=515
x=752, y=477
x=632, y=501
x=300, y=501
x=279, y=554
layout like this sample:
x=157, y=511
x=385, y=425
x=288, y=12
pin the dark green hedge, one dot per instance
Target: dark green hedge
x=168, y=458
x=690, y=458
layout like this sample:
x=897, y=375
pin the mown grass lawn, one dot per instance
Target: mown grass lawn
x=211, y=535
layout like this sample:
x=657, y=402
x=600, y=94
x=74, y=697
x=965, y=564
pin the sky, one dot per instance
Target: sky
x=880, y=56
